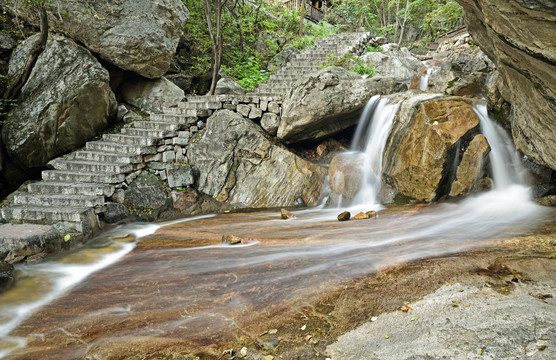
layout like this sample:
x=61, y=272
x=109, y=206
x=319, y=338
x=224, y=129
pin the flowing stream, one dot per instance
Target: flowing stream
x=175, y=284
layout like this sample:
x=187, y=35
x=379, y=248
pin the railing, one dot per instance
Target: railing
x=311, y=13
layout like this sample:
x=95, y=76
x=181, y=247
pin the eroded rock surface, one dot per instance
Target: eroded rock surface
x=66, y=101
x=329, y=101
x=518, y=35
x=136, y=35
x=423, y=144
x=393, y=61
x=236, y=163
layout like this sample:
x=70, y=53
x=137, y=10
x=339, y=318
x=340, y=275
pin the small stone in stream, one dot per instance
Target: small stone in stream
x=231, y=239
x=361, y=216
x=344, y=216
x=285, y=214
x=371, y=214
x=247, y=240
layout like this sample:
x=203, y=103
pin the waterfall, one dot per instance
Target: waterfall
x=424, y=82
x=504, y=159
x=370, y=140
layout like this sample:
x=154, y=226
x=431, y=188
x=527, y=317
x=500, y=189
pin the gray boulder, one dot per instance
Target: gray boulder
x=150, y=95
x=328, y=101
x=147, y=197
x=236, y=163
x=136, y=35
x=393, y=61
x=227, y=86
x=7, y=43
x=66, y=101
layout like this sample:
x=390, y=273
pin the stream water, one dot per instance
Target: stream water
x=144, y=288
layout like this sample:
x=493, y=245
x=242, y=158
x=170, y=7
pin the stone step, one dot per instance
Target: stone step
x=59, y=200
x=123, y=149
x=159, y=125
x=188, y=112
x=99, y=156
x=153, y=133
x=211, y=98
x=76, y=177
x=212, y=105
x=91, y=166
x=45, y=214
x=297, y=73
x=131, y=140
x=282, y=77
x=174, y=118
x=53, y=187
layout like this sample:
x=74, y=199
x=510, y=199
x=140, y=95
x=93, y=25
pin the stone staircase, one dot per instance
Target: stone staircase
x=78, y=185
x=311, y=60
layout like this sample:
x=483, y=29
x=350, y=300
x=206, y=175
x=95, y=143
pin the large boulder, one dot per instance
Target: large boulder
x=462, y=74
x=226, y=86
x=518, y=35
x=66, y=101
x=136, y=35
x=236, y=163
x=147, y=197
x=328, y=101
x=151, y=95
x=393, y=61
x=472, y=167
x=425, y=144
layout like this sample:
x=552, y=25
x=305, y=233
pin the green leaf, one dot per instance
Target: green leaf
x=415, y=318
x=67, y=238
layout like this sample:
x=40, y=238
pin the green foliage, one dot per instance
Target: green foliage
x=248, y=73
x=375, y=48
x=362, y=69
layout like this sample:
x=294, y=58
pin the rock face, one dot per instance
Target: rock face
x=147, y=196
x=65, y=102
x=471, y=167
x=151, y=94
x=425, y=142
x=518, y=35
x=393, y=61
x=329, y=101
x=238, y=164
x=136, y=35
x=462, y=74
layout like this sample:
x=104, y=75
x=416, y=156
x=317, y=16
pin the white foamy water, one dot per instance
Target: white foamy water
x=424, y=81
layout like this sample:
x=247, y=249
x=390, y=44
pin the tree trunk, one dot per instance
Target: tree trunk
x=215, y=39
x=14, y=90
x=404, y=21
x=302, y=17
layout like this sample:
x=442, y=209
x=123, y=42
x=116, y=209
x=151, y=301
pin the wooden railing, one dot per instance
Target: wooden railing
x=311, y=13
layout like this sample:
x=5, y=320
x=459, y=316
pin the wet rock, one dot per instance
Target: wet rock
x=285, y=214
x=183, y=200
x=360, y=216
x=66, y=101
x=231, y=239
x=472, y=166
x=237, y=164
x=371, y=214
x=147, y=196
x=516, y=35
x=423, y=144
x=226, y=86
x=7, y=276
x=345, y=175
x=150, y=94
x=328, y=101
x=344, y=216
x=113, y=213
x=393, y=61
x=119, y=31
x=180, y=176
x=547, y=201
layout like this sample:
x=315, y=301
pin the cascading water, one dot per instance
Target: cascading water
x=424, y=82
x=368, y=144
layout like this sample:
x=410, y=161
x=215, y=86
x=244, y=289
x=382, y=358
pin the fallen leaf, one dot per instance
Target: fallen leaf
x=456, y=301
x=386, y=336
x=406, y=308
x=308, y=337
x=480, y=351
x=272, y=331
x=304, y=327
x=415, y=318
x=243, y=351
x=67, y=238
x=374, y=318
x=541, y=347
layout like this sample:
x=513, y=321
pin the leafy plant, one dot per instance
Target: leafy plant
x=362, y=69
x=375, y=48
x=248, y=73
